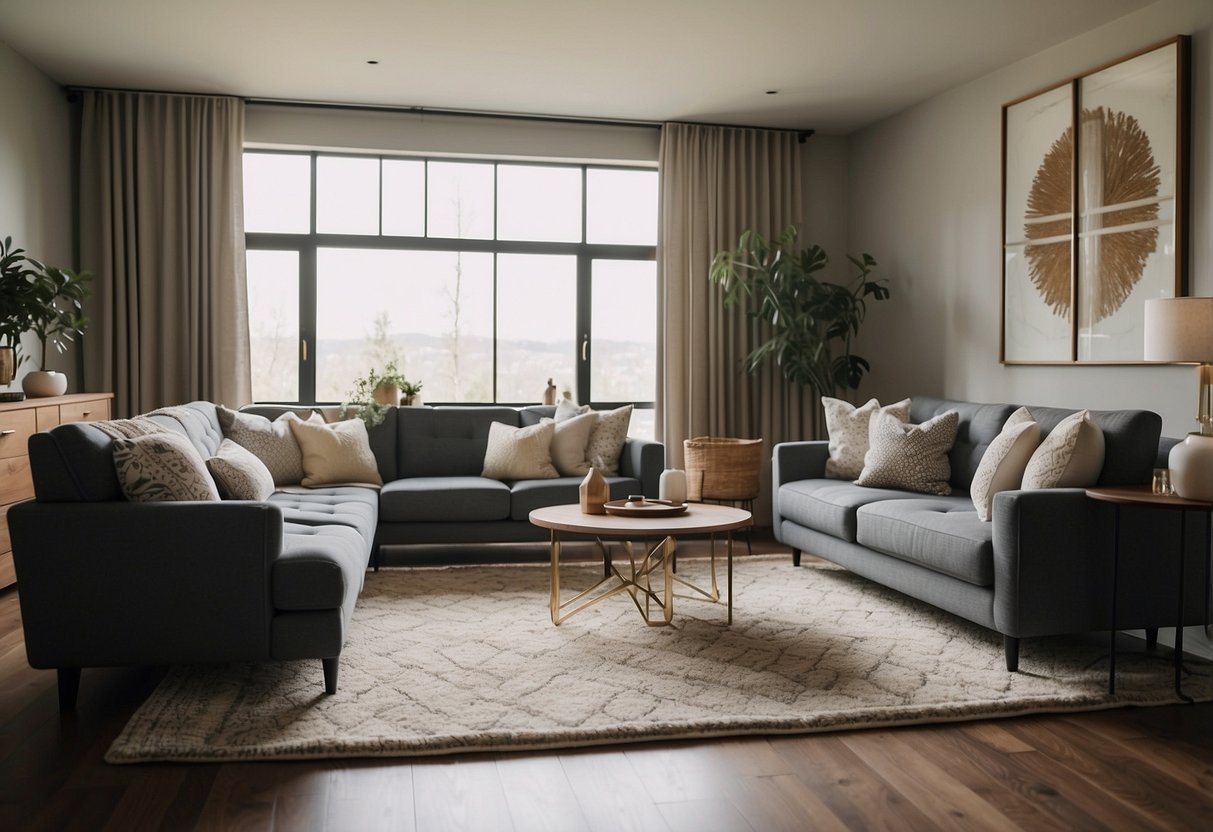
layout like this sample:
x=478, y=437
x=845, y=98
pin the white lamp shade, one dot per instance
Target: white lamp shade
x=1179, y=330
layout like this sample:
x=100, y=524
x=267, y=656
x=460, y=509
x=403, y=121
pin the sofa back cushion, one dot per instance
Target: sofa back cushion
x=978, y=426
x=446, y=441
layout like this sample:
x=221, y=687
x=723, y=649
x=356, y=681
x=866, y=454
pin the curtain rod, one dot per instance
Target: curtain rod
x=801, y=135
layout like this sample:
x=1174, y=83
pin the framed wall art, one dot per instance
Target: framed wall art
x=1094, y=208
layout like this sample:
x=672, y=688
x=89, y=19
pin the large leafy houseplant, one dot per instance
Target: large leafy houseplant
x=56, y=316
x=19, y=298
x=808, y=322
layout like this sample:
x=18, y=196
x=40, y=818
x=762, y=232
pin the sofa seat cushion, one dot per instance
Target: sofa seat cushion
x=356, y=508
x=444, y=499
x=941, y=533
x=528, y=495
x=318, y=566
x=829, y=506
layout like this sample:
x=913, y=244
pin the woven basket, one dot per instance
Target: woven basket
x=722, y=469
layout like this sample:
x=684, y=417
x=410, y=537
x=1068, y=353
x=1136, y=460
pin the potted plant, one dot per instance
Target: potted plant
x=805, y=323
x=18, y=294
x=411, y=392
x=56, y=318
x=372, y=394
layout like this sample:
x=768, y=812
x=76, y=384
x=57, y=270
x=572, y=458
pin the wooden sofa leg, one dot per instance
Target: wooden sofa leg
x=796, y=557
x=1151, y=638
x=69, y=688
x=330, y=675
x=1010, y=646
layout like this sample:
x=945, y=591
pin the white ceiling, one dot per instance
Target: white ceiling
x=838, y=65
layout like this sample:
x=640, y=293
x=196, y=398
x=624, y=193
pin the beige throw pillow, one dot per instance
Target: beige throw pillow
x=520, y=453
x=607, y=439
x=271, y=442
x=239, y=474
x=1071, y=456
x=910, y=457
x=570, y=442
x=336, y=453
x=847, y=426
x=1002, y=465
x=161, y=466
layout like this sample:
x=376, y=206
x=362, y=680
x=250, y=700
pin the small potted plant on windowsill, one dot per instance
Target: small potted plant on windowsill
x=411, y=393
x=374, y=393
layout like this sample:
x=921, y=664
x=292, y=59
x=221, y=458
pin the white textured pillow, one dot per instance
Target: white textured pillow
x=910, y=457
x=336, y=453
x=565, y=409
x=520, y=453
x=607, y=438
x=271, y=442
x=1071, y=456
x=239, y=474
x=570, y=442
x=1003, y=463
x=847, y=426
x=161, y=466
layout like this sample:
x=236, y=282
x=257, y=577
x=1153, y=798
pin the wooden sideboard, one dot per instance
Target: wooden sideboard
x=18, y=420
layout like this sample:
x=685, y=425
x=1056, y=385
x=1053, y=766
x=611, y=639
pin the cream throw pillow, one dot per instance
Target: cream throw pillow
x=570, y=442
x=910, y=457
x=239, y=474
x=520, y=453
x=565, y=409
x=607, y=438
x=271, y=442
x=847, y=426
x=160, y=467
x=1003, y=463
x=336, y=453
x=1071, y=456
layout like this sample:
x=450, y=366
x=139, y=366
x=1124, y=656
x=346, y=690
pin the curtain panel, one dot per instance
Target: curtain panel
x=162, y=228
x=717, y=182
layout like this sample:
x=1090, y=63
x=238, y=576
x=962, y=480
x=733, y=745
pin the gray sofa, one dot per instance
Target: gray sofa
x=106, y=582
x=1042, y=566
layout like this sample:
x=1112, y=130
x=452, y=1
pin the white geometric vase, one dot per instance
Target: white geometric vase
x=1191, y=463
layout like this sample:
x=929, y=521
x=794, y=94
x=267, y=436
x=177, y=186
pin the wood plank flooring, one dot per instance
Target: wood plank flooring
x=1146, y=768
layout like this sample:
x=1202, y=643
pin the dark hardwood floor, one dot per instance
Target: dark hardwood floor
x=1146, y=768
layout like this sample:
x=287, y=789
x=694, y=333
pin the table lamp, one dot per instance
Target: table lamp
x=1180, y=331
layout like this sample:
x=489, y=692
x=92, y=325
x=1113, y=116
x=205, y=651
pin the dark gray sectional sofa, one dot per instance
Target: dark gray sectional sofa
x=1041, y=567
x=105, y=582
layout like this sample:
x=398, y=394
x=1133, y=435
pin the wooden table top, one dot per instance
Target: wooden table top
x=700, y=518
x=1142, y=495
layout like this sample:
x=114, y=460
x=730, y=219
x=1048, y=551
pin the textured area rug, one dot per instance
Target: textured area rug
x=466, y=659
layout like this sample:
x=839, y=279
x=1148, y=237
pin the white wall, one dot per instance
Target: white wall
x=35, y=170
x=924, y=199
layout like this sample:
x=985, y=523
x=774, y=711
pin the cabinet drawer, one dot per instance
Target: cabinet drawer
x=16, y=427
x=89, y=411
x=16, y=483
x=5, y=543
x=8, y=573
x=48, y=417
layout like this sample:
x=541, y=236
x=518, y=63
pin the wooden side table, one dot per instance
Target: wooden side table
x=1143, y=497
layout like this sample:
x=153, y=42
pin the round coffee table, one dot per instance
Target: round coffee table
x=699, y=519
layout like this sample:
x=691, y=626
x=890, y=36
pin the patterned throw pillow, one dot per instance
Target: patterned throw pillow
x=161, y=466
x=335, y=454
x=1071, y=456
x=570, y=442
x=910, y=457
x=847, y=426
x=1003, y=463
x=520, y=453
x=271, y=442
x=607, y=438
x=239, y=474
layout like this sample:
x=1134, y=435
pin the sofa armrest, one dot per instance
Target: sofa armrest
x=643, y=459
x=116, y=583
x=792, y=461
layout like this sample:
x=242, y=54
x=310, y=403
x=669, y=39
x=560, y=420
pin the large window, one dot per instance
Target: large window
x=480, y=279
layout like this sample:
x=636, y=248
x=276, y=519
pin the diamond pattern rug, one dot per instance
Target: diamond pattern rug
x=460, y=659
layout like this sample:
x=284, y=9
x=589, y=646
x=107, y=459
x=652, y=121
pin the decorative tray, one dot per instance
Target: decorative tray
x=647, y=508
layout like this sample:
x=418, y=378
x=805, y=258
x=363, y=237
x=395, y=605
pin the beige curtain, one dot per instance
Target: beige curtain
x=162, y=228
x=715, y=183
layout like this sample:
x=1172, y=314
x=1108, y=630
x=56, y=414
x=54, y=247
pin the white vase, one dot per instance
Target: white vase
x=673, y=485
x=1191, y=463
x=42, y=383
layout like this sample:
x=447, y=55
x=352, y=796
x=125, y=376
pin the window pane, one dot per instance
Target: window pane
x=277, y=193
x=539, y=203
x=403, y=198
x=460, y=201
x=621, y=206
x=347, y=195
x=536, y=325
x=273, y=318
x=623, y=357
x=429, y=311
